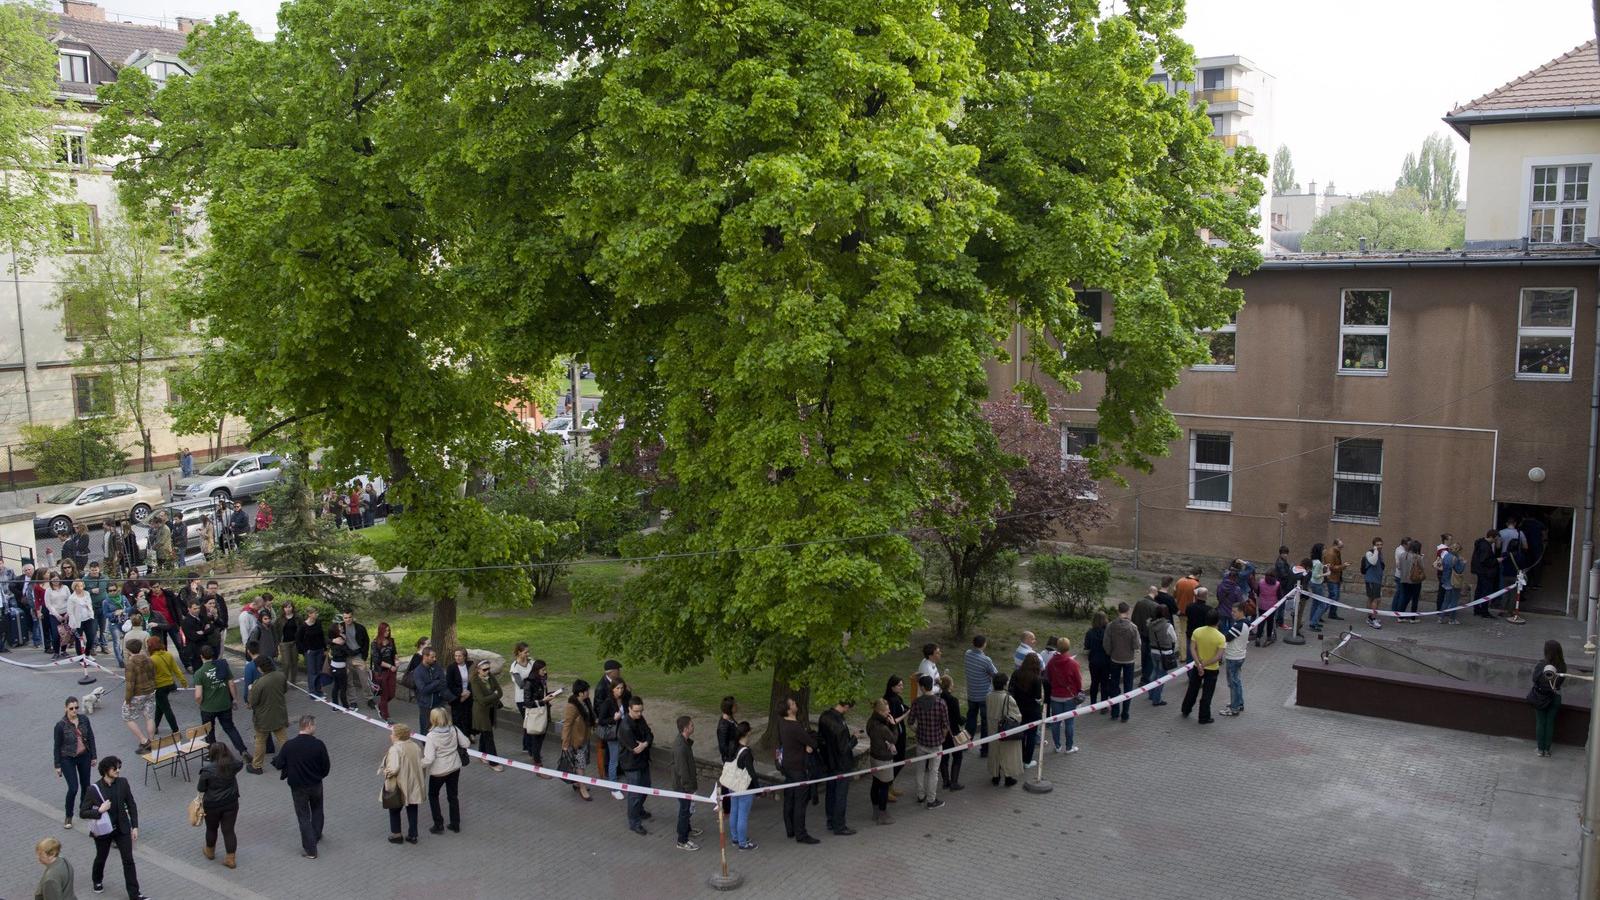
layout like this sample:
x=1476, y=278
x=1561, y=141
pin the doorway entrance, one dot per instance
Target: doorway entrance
x=1547, y=560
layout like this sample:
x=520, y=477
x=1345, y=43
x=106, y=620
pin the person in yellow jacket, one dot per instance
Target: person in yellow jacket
x=169, y=675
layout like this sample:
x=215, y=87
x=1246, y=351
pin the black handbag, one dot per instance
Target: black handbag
x=392, y=798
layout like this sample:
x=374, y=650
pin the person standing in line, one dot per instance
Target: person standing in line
x=486, y=694
x=1164, y=596
x=604, y=736
x=249, y=623
x=1267, y=632
x=1333, y=560
x=950, y=762
x=442, y=752
x=1231, y=592
x=266, y=636
x=80, y=619
x=931, y=724
x=139, y=694
x=1451, y=569
x=269, y=712
x=339, y=656
x=1287, y=580
x=218, y=785
x=576, y=725
x=1206, y=648
x=1416, y=574
x=521, y=667
x=1183, y=590
x=537, y=695
x=1237, y=635
x=213, y=690
x=303, y=762
x=635, y=738
x=728, y=729
x=1094, y=644
x=685, y=780
x=894, y=694
x=458, y=678
x=401, y=769
x=116, y=823
x=55, y=883
x=76, y=547
x=795, y=746
x=1143, y=611
x=428, y=682
x=194, y=633
x=1372, y=567
x=1066, y=683
x=355, y=639
x=1024, y=649
x=169, y=675
x=252, y=670
x=836, y=751
x=932, y=655
x=55, y=614
x=312, y=643
x=1545, y=696
x=385, y=665
x=1122, y=645
x=289, y=642
x=74, y=755
x=1163, y=649
x=980, y=671
x=1319, y=588
x=1027, y=686
x=1486, y=571
x=1402, y=553
x=739, y=818
x=1006, y=760
x=97, y=585
x=881, y=734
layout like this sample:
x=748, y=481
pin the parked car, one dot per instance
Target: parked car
x=196, y=516
x=93, y=504
x=561, y=426
x=232, y=477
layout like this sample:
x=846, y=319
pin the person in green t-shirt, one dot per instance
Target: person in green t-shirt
x=1205, y=648
x=213, y=690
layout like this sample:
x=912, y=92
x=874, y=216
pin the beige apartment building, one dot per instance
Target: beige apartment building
x=1401, y=395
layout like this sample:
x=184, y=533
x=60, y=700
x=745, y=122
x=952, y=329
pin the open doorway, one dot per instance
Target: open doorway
x=1547, y=560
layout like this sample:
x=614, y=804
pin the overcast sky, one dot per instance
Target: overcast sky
x=1358, y=83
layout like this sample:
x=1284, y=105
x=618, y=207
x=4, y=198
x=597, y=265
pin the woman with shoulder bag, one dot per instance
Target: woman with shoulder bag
x=575, y=727
x=442, y=752
x=218, y=787
x=1546, y=695
x=1005, y=755
x=402, y=782
x=950, y=763
x=881, y=735
x=739, y=774
x=486, y=694
x=74, y=755
x=608, y=713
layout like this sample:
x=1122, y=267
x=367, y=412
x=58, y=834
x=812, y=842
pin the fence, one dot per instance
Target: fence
x=20, y=471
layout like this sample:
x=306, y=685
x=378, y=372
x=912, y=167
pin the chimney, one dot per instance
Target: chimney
x=82, y=10
x=186, y=25
x=1313, y=189
x=1361, y=243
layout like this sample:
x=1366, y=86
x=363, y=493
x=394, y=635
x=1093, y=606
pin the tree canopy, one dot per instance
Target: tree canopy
x=27, y=150
x=1432, y=174
x=1400, y=220
x=1283, y=171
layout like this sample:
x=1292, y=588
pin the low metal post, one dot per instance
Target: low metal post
x=1038, y=785
x=1294, y=636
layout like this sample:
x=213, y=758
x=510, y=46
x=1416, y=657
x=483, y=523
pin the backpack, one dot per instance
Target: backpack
x=1416, y=574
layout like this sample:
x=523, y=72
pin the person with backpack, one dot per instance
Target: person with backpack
x=1163, y=650
x=1416, y=573
x=1372, y=577
x=1545, y=695
x=1451, y=567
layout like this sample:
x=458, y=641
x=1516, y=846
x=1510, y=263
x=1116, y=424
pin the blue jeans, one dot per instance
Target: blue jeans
x=1450, y=599
x=978, y=722
x=1122, y=674
x=1058, y=707
x=739, y=819
x=1334, y=589
x=116, y=644
x=639, y=778
x=613, y=750
x=314, y=671
x=38, y=630
x=1161, y=671
x=1235, y=684
x=1318, y=608
x=685, y=812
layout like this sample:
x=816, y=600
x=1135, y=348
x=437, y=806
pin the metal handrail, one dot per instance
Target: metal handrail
x=1360, y=637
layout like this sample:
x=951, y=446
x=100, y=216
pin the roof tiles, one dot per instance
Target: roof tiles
x=1572, y=79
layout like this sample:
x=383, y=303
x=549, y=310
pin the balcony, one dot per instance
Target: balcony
x=1232, y=99
x=1238, y=139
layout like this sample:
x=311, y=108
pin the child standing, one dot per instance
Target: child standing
x=1238, y=635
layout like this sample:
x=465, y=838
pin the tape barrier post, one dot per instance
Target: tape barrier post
x=1516, y=605
x=1294, y=636
x=87, y=678
x=1038, y=785
x=724, y=880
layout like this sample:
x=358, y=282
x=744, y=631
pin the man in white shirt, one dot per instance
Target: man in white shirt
x=931, y=655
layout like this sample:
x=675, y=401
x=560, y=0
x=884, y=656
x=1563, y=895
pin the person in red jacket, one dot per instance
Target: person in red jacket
x=1066, y=683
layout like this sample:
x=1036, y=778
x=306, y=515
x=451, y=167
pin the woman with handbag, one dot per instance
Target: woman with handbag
x=114, y=821
x=444, y=752
x=739, y=774
x=881, y=735
x=218, y=788
x=486, y=694
x=1005, y=756
x=608, y=712
x=894, y=695
x=575, y=728
x=385, y=669
x=1545, y=695
x=402, y=782
x=74, y=755
x=950, y=763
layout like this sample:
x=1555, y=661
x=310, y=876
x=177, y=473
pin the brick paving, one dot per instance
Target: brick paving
x=1282, y=802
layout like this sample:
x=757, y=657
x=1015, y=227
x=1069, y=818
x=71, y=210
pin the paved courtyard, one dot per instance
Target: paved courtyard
x=1281, y=803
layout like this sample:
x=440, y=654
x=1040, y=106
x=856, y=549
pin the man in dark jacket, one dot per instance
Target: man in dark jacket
x=76, y=547
x=303, y=762
x=686, y=780
x=427, y=679
x=836, y=751
x=634, y=760
x=113, y=796
x=1486, y=567
x=269, y=708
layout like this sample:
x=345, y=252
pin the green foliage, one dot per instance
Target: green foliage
x=302, y=604
x=302, y=552
x=1432, y=174
x=1074, y=586
x=27, y=151
x=393, y=598
x=119, y=301
x=77, y=451
x=1283, y=171
x=1400, y=220
x=993, y=583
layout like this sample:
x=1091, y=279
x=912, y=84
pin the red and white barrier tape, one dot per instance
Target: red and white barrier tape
x=1521, y=583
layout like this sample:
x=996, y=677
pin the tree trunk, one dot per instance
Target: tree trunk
x=778, y=704
x=149, y=448
x=443, y=632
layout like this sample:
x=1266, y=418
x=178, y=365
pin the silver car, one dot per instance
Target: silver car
x=232, y=477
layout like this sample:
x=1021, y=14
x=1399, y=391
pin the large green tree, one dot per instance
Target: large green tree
x=1432, y=174
x=324, y=283
x=1400, y=220
x=28, y=187
x=1283, y=171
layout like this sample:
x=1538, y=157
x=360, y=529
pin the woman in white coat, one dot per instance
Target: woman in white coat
x=441, y=758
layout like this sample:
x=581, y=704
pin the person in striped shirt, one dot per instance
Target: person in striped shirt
x=980, y=671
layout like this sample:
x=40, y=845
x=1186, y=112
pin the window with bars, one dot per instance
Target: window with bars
x=1210, y=470
x=1545, y=334
x=1559, y=204
x=1364, y=332
x=1357, y=479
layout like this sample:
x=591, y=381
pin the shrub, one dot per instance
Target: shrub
x=393, y=598
x=1074, y=586
x=76, y=451
x=325, y=611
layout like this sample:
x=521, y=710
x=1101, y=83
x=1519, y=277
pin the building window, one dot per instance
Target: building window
x=91, y=395
x=1091, y=305
x=1075, y=439
x=1559, y=204
x=1223, y=345
x=1357, y=479
x=1210, y=470
x=72, y=67
x=160, y=71
x=77, y=223
x=173, y=238
x=1364, y=332
x=80, y=317
x=1211, y=79
x=72, y=149
x=1544, y=334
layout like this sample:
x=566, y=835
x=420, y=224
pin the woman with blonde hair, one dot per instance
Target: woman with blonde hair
x=56, y=881
x=441, y=758
x=402, y=772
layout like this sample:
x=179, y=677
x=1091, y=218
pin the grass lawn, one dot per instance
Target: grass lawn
x=589, y=388
x=366, y=540
x=561, y=637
